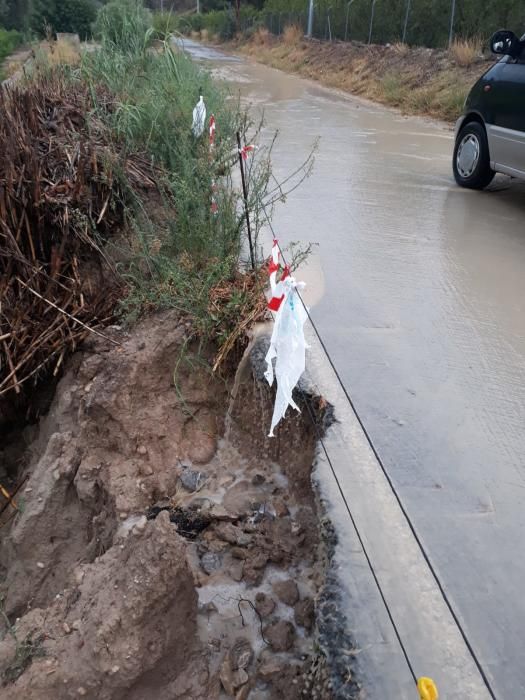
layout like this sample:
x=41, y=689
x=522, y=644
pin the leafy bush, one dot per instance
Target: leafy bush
x=125, y=24
x=69, y=16
x=166, y=23
x=222, y=23
x=9, y=40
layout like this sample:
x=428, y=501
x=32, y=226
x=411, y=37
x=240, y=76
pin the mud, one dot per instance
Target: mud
x=164, y=546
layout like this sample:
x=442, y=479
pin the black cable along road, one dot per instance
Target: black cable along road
x=397, y=497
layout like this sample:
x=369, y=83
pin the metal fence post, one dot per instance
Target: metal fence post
x=329, y=27
x=347, y=16
x=371, y=21
x=310, y=19
x=405, y=27
x=452, y=17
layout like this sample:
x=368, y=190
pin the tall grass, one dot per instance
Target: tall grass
x=465, y=52
x=181, y=251
x=292, y=35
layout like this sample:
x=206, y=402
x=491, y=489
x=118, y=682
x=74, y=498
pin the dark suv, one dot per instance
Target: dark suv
x=490, y=136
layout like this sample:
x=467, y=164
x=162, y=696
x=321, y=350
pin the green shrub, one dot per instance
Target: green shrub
x=9, y=41
x=166, y=23
x=69, y=16
x=153, y=99
x=222, y=23
x=125, y=25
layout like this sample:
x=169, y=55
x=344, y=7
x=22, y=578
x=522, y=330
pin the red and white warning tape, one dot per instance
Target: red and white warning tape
x=277, y=287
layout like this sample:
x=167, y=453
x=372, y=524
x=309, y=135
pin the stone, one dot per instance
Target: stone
x=281, y=509
x=141, y=524
x=239, y=553
x=79, y=576
x=231, y=679
x=270, y=669
x=232, y=534
x=239, y=677
x=286, y=591
x=264, y=604
x=280, y=635
x=236, y=570
x=304, y=613
x=258, y=479
x=210, y=562
x=241, y=654
x=220, y=513
x=192, y=480
x=66, y=628
x=244, y=692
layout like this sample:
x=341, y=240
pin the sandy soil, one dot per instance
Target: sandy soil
x=164, y=547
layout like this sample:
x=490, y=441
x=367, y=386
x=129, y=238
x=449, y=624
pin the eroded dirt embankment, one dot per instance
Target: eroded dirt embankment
x=165, y=547
x=430, y=82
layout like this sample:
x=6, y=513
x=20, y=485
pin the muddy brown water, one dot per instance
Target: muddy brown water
x=418, y=289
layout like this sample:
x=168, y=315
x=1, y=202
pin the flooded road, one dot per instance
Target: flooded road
x=419, y=294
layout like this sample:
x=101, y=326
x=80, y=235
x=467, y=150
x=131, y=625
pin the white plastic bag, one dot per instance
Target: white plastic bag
x=199, y=118
x=287, y=347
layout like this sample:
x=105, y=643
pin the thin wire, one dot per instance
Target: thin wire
x=354, y=524
x=397, y=497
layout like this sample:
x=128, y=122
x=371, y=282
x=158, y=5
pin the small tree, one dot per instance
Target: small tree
x=73, y=16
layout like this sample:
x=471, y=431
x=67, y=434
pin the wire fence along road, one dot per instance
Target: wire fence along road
x=416, y=22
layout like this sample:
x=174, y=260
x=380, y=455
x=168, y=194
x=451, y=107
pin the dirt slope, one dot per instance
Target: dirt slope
x=164, y=548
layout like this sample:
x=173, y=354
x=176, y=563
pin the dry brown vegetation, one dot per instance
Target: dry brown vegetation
x=59, y=198
x=465, y=52
x=292, y=35
x=432, y=82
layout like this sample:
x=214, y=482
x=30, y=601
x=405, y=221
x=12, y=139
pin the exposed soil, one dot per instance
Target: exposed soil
x=164, y=547
x=417, y=80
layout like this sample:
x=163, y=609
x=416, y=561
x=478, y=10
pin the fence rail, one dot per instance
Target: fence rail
x=416, y=22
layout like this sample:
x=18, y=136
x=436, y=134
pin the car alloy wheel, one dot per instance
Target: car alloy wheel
x=467, y=157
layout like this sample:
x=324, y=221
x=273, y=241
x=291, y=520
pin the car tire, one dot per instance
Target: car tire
x=471, y=162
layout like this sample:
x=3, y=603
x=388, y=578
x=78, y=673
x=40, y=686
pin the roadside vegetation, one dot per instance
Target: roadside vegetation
x=141, y=210
x=430, y=82
x=10, y=40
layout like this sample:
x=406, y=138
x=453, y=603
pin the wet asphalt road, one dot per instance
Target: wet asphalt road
x=418, y=289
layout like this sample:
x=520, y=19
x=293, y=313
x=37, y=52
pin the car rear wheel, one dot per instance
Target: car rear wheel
x=471, y=161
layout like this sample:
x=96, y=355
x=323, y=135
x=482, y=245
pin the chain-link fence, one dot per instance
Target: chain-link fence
x=433, y=23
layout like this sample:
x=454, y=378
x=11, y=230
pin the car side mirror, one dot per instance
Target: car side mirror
x=505, y=43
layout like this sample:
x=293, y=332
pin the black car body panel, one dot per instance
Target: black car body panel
x=497, y=101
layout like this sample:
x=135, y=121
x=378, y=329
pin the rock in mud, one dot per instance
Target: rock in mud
x=280, y=635
x=232, y=534
x=236, y=570
x=241, y=654
x=270, y=668
x=192, y=480
x=264, y=604
x=286, y=591
x=211, y=562
x=232, y=679
x=304, y=613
